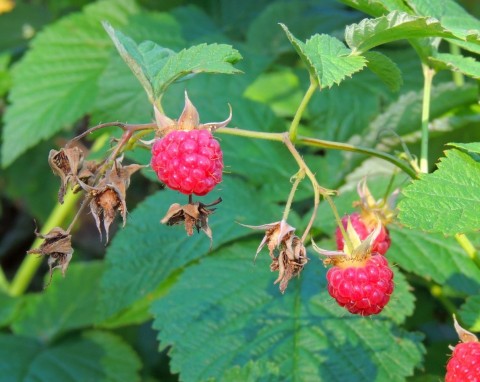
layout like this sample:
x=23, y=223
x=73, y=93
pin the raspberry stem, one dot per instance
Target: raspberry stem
x=299, y=176
x=301, y=108
x=314, y=142
x=428, y=74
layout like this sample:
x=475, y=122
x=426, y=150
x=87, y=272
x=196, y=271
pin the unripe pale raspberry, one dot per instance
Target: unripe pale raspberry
x=464, y=365
x=188, y=161
x=381, y=243
x=362, y=289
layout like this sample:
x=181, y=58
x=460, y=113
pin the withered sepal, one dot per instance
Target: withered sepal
x=290, y=262
x=65, y=163
x=192, y=215
x=109, y=195
x=58, y=246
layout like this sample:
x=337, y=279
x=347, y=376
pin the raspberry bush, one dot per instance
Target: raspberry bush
x=322, y=158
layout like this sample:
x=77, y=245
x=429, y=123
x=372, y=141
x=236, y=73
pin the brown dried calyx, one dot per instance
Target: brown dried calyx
x=66, y=164
x=292, y=256
x=108, y=196
x=58, y=246
x=192, y=215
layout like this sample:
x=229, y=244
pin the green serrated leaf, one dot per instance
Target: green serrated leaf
x=473, y=147
x=233, y=304
x=56, y=81
x=453, y=17
x=385, y=69
x=203, y=58
x=435, y=258
x=470, y=313
x=447, y=200
x=327, y=59
x=370, y=33
x=91, y=356
x=68, y=303
x=465, y=65
x=146, y=253
x=121, y=97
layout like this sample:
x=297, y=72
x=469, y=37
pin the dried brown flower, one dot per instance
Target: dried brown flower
x=65, y=163
x=292, y=256
x=192, y=215
x=108, y=196
x=58, y=246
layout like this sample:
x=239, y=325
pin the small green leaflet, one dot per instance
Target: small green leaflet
x=144, y=60
x=385, y=69
x=370, y=33
x=465, y=65
x=454, y=18
x=157, y=67
x=447, y=200
x=473, y=147
x=327, y=59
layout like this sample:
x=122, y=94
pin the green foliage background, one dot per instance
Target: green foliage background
x=156, y=305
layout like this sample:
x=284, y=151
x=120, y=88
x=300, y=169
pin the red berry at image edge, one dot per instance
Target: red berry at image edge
x=190, y=162
x=464, y=365
x=362, y=289
x=381, y=243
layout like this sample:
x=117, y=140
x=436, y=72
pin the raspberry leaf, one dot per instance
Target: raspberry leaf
x=447, y=200
x=377, y=7
x=385, y=69
x=203, y=58
x=327, y=59
x=370, y=33
x=47, y=315
x=453, y=17
x=55, y=83
x=90, y=356
x=146, y=253
x=465, y=65
x=244, y=317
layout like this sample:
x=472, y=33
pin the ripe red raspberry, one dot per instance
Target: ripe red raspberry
x=188, y=161
x=362, y=288
x=464, y=365
x=381, y=243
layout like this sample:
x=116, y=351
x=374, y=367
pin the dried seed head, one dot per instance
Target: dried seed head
x=192, y=215
x=108, y=196
x=65, y=163
x=290, y=261
x=292, y=255
x=58, y=246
